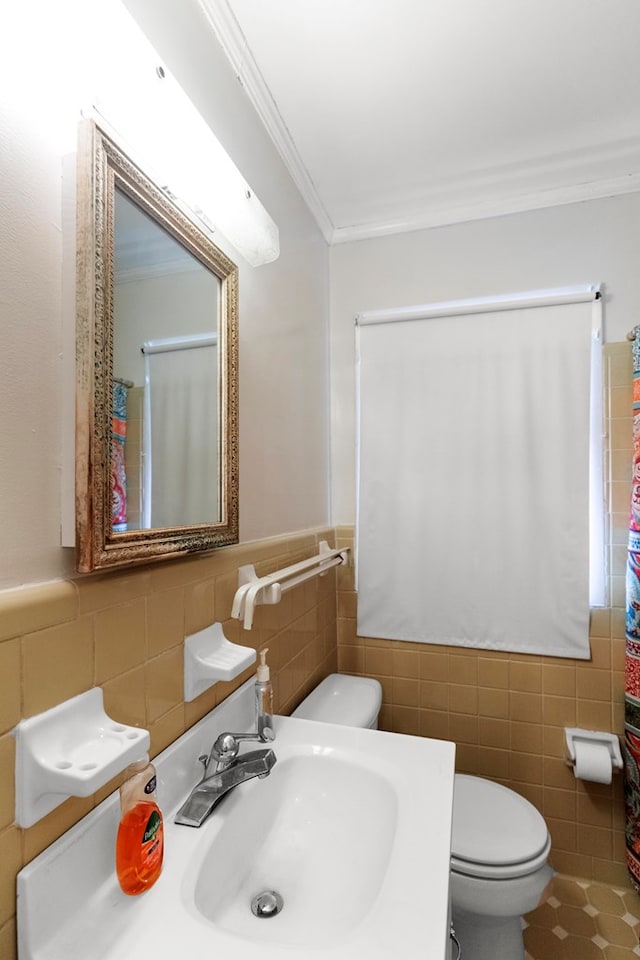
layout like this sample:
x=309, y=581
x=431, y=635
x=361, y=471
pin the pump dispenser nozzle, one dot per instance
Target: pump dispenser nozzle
x=263, y=673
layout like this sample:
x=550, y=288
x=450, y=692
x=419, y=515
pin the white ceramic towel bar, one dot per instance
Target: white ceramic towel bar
x=253, y=590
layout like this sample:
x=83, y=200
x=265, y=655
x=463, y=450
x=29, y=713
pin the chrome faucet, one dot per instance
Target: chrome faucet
x=224, y=770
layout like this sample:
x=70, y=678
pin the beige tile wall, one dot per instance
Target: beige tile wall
x=507, y=712
x=124, y=633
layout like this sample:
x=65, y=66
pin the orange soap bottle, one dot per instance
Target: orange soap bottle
x=140, y=840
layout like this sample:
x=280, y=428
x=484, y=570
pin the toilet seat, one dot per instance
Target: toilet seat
x=496, y=834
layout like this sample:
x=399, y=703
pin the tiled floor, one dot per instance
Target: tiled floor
x=584, y=921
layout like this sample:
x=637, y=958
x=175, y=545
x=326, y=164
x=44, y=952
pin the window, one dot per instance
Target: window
x=475, y=472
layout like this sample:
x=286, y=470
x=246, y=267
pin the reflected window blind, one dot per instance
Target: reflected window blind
x=474, y=472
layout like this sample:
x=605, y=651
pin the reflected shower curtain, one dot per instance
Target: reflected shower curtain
x=118, y=473
x=632, y=658
x=181, y=436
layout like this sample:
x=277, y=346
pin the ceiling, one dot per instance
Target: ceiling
x=395, y=115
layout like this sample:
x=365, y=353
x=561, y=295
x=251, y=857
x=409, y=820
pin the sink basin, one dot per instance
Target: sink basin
x=351, y=829
x=319, y=831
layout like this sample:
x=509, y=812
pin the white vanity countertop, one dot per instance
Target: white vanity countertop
x=396, y=793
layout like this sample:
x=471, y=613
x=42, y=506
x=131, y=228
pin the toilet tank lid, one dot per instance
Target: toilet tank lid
x=494, y=825
x=351, y=701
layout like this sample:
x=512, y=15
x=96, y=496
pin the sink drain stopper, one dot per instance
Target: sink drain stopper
x=267, y=904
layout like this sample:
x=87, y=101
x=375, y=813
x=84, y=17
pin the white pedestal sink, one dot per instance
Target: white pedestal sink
x=351, y=829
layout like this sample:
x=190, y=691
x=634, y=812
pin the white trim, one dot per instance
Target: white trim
x=428, y=219
x=231, y=39
x=510, y=301
x=598, y=572
x=154, y=270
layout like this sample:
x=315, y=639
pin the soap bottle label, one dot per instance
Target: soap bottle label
x=152, y=843
x=153, y=825
x=151, y=786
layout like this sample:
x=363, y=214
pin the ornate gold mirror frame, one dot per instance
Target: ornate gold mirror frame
x=102, y=170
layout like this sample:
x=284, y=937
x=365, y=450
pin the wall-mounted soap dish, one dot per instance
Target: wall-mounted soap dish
x=70, y=751
x=209, y=657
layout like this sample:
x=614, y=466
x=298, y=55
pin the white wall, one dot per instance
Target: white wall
x=283, y=306
x=158, y=307
x=591, y=242
x=284, y=429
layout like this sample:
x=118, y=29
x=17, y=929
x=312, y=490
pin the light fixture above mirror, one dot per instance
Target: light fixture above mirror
x=140, y=104
x=156, y=361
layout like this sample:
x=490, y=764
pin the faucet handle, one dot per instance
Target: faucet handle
x=225, y=748
x=226, y=745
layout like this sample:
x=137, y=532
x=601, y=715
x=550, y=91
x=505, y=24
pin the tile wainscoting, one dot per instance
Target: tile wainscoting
x=124, y=632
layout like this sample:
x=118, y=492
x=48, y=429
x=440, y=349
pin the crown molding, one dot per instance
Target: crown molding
x=427, y=219
x=231, y=38
x=152, y=271
x=605, y=170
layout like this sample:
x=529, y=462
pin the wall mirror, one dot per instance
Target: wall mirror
x=156, y=370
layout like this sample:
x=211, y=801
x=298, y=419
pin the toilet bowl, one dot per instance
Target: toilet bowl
x=499, y=845
x=499, y=870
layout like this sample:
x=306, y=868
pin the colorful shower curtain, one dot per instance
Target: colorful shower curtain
x=632, y=658
x=118, y=474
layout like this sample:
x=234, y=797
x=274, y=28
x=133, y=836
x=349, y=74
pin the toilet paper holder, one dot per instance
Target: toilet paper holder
x=573, y=735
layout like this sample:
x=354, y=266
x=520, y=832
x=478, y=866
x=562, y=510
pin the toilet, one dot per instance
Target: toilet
x=350, y=701
x=499, y=844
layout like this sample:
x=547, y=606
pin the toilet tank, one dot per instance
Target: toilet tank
x=351, y=701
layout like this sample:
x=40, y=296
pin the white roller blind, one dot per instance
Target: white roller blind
x=473, y=473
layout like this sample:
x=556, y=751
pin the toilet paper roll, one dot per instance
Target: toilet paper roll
x=593, y=762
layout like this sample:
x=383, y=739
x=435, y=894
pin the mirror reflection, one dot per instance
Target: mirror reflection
x=156, y=370
x=165, y=389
